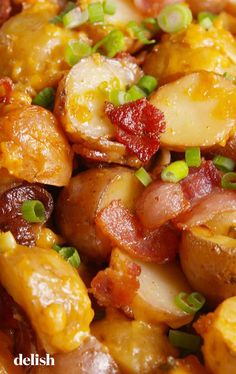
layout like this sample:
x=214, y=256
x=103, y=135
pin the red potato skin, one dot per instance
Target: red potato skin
x=5, y=10
x=33, y=147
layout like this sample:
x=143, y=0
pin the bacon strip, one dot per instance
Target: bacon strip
x=6, y=88
x=125, y=231
x=5, y=10
x=138, y=126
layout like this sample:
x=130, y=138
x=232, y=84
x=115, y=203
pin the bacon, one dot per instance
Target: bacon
x=6, y=88
x=125, y=231
x=201, y=181
x=159, y=203
x=153, y=7
x=212, y=204
x=138, y=126
x=5, y=10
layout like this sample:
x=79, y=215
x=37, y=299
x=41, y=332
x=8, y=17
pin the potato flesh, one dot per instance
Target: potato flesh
x=136, y=346
x=34, y=65
x=85, y=196
x=50, y=291
x=219, y=347
x=192, y=50
x=209, y=263
x=199, y=111
x=159, y=285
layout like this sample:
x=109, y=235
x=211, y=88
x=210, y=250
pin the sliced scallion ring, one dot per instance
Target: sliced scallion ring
x=33, y=211
x=174, y=18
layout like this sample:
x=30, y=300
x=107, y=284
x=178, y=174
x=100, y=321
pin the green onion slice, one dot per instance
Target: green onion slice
x=118, y=97
x=74, y=18
x=109, y=7
x=69, y=254
x=59, y=17
x=135, y=93
x=33, y=211
x=190, y=304
x=203, y=15
x=113, y=43
x=75, y=50
x=228, y=181
x=96, y=12
x=175, y=172
x=174, y=18
x=193, y=157
x=143, y=176
x=151, y=24
x=45, y=98
x=138, y=32
x=224, y=163
x=184, y=340
x=148, y=84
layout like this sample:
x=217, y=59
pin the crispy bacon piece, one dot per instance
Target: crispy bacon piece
x=10, y=211
x=201, y=181
x=6, y=86
x=125, y=231
x=138, y=126
x=116, y=287
x=5, y=10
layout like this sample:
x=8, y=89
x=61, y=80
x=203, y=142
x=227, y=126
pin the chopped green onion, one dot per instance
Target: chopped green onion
x=143, y=176
x=206, y=23
x=118, y=97
x=229, y=76
x=203, y=15
x=109, y=7
x=113, y=43
x=174, y=18
x=45, y=98
x=74, y=18
x=138, y=32
x=193, y=157
x=75, y=50
x=33, y=211
x=228, y=181
x=59, y=17
x=149, y=21
x=184, y=340
x=69, y=254
x=148, y=84
x=190, y=303
x=96, y=12
x=135, y=93
x=224, y=163
x=175, y=172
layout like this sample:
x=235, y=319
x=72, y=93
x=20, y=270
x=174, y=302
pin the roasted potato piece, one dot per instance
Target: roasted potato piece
x=208, y=258
x=228, y=149
x=49, y=290
x=84, y=197
x=219, y=347
x=136, y=346
x=33, y=147
x=80, y=104
x=192, y=50
x=90, y=358
x=199, y=111
x=159, y=284
x=34, y=65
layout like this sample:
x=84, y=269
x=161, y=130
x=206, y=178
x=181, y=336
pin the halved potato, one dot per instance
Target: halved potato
x=137, y=347
x=192, y=50
x=80, y=104
x=199, y=109
x=219, y=347
x=208, y=259
x=84, y=197
x=159, y=284
x=33, y=147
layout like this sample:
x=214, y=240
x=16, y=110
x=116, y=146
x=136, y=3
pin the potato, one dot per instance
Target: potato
x=229, y=22
x=208, y=259
x=50, y=292
x=90, y=358
x=84, y=197
x=192, y=50
x=136, y=346
x=199, y=109
x=219, y=347
x=80, y=104
x=228, y=149
x=33, y=147
x=34, y=65
x=159, y=284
